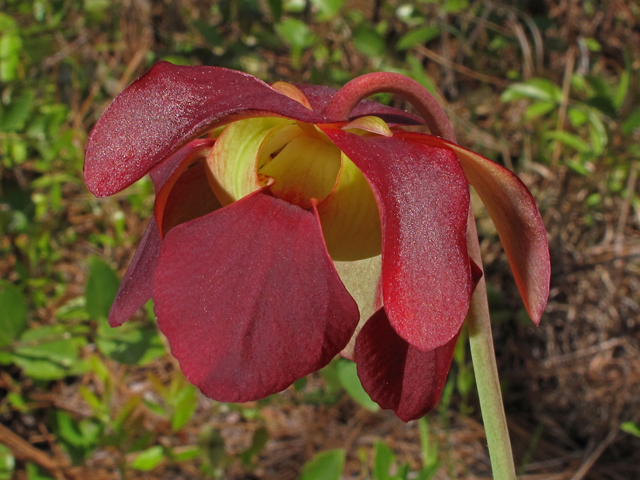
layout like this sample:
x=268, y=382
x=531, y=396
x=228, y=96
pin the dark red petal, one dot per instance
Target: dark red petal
x=319, y=97
x=249, y=298
x=186, y=194
x=163, y=171
x=395, y=374
x=166, y=108
x=423, y=198
x=137, y=285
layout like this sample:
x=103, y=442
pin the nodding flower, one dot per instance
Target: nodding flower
x=295, y=223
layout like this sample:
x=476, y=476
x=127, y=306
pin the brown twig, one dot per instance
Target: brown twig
x=25, y=451
x=461, y=68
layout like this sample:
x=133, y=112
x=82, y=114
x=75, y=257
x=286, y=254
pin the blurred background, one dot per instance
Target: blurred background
x=549, y=89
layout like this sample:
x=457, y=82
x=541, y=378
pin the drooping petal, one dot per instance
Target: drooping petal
x=362, y=280
x=423, y=198
x=350, y=218
x=137, y=284
x=397, y=375
x=166, y=108
x=249, y=298
x=517, y=219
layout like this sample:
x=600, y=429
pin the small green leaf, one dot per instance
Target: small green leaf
x=570, y=140
x=327, y=9
x=535, y=88
x=101, y=289
x=18, y=112
x=211, y=446
x=348, y=376
x=538, y=109
x=185, y=405
x=7, y=463
x=419, y=36
x=632, y=122
x=622, y=90
x=382, y=461
x=630, y=427
x=258, y=442
x=148, y=459
x=577, y=116
x=33, y=473
x=13, y=313
x=326, y=465
x=368, y=41
x=296, y=33
x=417, y=72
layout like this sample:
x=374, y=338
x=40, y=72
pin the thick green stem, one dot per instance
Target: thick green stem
x=486, y=371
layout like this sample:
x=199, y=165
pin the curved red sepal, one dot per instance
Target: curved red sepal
x=166, y=108
x=423, y=198
x=319, y=97
x=396, y=375
x=249, y=298
x=137, y=284
x=517, y=219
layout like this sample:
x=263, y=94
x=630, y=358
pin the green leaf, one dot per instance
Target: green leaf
x=577, y=116
x=348, y=376
x=185, y=454
x=148, y=459
x=101, y=289
x=419, y=36
x=454, y=6
x=185, y=405
x=258, y=442
x=13, y=313
x=382, y=461
x=129, y=344
x=630, y=427
x=417, y=72
x=570, y=140
x=296, y=33
x=33, y=473
x=535, y=88
x=368, y=41
x=622, y=90
x=327, y=465
x=51, y=353
x=18, y=112
x=7, y=463
x=599, y=138
x=10, y=46
x=327, y=9
x=538, y=109
x=632, y=122
x=211, y=445
x=276, y=9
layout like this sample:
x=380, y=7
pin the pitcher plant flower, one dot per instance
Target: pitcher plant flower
x=294, y=223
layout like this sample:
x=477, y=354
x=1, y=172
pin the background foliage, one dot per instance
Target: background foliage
x=548, y=89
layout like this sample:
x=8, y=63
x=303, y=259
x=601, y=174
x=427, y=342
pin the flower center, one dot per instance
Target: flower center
x=300, y=163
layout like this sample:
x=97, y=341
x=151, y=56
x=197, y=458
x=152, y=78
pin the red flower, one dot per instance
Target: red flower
x=257, y=226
